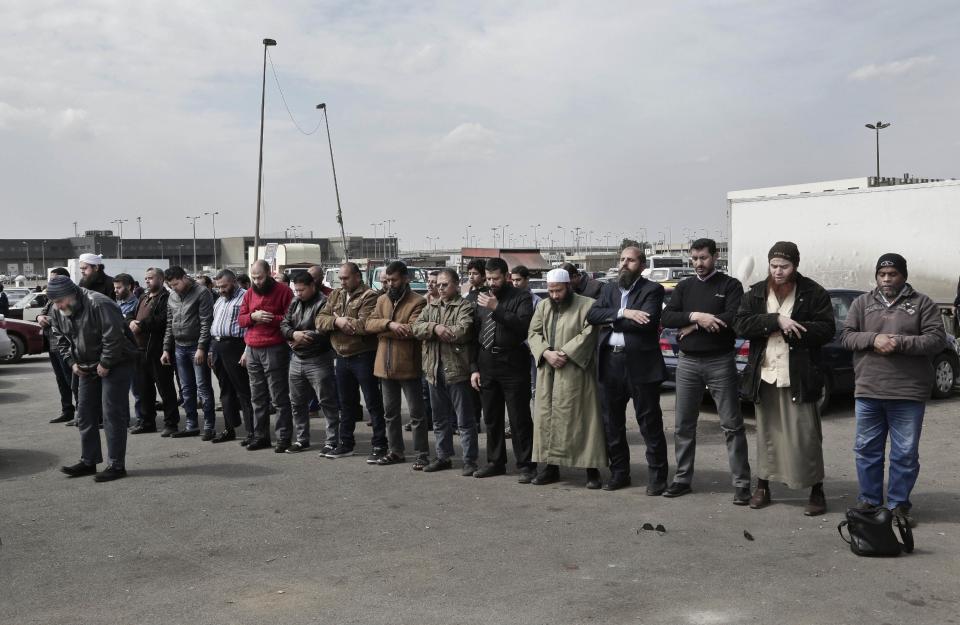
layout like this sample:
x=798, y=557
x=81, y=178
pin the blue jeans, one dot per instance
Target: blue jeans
x=355, y=375
x=903, y=419
x=194, y=378
x=453, y=407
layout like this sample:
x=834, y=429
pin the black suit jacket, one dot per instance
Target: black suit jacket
x=644, y=360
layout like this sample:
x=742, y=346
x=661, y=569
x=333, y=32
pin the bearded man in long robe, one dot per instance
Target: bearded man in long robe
x=567, y=425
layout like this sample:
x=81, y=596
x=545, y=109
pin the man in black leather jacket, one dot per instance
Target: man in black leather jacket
x=501, y=371
x=311, y=368
x=94, y=342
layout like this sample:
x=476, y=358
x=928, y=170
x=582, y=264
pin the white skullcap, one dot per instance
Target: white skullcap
x=91, y=259
x=558, y=275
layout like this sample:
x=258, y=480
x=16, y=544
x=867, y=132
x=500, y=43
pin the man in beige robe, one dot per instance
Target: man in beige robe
x=567, y=426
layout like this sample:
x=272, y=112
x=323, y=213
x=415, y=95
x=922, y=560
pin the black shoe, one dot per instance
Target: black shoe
x=866, y=506
x=490, y=470
x=224, y=436
x=144, y=429
x=258, y=443
x=281, y=447
x=246, y=442
x=375, y=455
x=168, y=431
x=616, y=482
x=63, y=418
x=527, y=476
x=656, y=489
x=741, y=496
x=79, y=470
x=72, y=423
x=593, y=479
x=547, y=475
x=903, y=515
x=208, y=435
x=185, y=433
x=407, y=427
x=298, y=447
x=678, y=489
x=339, y=452
x=109, y=474
x=438, y=464
x=468, y=469
x=326, y=449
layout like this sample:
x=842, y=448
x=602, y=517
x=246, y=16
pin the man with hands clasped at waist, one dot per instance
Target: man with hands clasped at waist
x=703, y=309
x=894, y=332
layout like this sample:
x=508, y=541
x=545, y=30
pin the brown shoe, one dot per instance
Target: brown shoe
x=817, y=504
x=760, y=498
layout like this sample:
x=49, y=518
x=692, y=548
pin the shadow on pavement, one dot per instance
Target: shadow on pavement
x=22, y=369
x=13, y=398
x=214, y=470
x=20, y=462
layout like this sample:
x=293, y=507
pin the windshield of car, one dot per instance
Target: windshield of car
x=36, y=301
x=659, y=275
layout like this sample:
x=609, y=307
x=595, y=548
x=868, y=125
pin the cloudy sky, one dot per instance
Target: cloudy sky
x=611, y=116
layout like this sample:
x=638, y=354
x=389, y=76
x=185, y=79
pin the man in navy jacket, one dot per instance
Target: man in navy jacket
x=631, y=367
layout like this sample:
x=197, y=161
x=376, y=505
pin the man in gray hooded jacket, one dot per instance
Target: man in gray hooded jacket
x=89, y=332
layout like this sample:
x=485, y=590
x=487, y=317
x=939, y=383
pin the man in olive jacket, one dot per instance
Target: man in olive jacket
x=893, y=332
x=446, y=328
x=91, y=335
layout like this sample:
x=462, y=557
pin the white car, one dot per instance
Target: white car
x=6, y=345
x=31, y=305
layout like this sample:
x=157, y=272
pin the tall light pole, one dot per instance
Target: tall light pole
x=119, y=223
x=876, y=128
x=503, y=233
x=467, y=238
x=213, y=223
x=161, y=248
x=535, y=226
x=76, y=232
x=389, y=232
x=343, y=237
x=139, y=227
x=43, y=255
x=375, y=238
x=180, y=262
x=26, y=248
x=263, y=102
x=194, y=219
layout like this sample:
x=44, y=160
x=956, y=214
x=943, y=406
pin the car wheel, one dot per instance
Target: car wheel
x=944, y=375
x=824, y=404
x=16, y=351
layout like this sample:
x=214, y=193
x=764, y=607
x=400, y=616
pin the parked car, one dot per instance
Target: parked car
x=837, y=362
x=670, y=276
x=29, y=307
x=26, y=337
x=6, y=345
x=16, y=293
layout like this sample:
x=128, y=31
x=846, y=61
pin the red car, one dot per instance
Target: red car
x=26, y=336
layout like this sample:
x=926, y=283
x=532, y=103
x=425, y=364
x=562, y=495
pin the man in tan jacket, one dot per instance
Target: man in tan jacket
x=343, y=318
x=398, y=363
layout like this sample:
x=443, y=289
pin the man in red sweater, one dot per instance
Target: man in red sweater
x=267, y=355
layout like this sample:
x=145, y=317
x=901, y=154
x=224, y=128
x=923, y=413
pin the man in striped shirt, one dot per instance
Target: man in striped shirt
x=225, y=358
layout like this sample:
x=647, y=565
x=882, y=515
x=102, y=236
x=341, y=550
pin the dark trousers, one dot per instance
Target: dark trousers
x=108, y=400
x=505, y=383
x=616, y=390
x=63, y=375
x=151, y=377
x=234, y=383
x=355, y=375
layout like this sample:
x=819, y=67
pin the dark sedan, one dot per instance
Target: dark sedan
x=837, y=362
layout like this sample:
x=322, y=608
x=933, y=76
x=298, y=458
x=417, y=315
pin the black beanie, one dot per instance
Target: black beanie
x=786, y=250
x=61, y=286
x=896, y=261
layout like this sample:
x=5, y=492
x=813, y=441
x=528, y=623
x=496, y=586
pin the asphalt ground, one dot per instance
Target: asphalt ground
x=201, y=533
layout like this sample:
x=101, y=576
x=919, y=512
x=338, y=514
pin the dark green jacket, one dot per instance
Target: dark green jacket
x=455, y=357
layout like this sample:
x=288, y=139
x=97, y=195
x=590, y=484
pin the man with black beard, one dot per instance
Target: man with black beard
x=631, y=368
x=226, y=357
x=398, y=363
x=477, y=284
x=567, y=426
x=93, y=276
x=501, y=372
x=267, y=355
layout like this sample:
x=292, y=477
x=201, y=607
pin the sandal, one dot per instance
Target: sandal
x=420, y=464
x=391, y=458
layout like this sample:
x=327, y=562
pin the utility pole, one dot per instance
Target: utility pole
x=195, y=242
x=877, y=128
x=263, y=102
x=213, y=222
x=343, y=237
x=139, y=228
x=76, y=233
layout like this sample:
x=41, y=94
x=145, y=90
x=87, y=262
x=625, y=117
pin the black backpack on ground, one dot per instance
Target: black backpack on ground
x=871, y=533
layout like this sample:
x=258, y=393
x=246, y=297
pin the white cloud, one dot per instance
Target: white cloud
x=893, y=68
x=12, y=116
x=467, y=142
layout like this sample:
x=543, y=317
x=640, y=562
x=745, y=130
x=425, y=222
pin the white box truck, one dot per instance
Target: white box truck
x=843, y=226
x=136, y=267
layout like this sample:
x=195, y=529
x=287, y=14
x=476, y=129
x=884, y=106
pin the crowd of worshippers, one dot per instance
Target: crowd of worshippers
x=554, y=376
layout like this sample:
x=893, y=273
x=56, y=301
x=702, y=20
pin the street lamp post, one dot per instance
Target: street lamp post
x=194, y=219
x=213, y=223
x=43, y=256
x=535, y=226
x=161, y=248
x=263, y=102
x=26, y=248
x=139, y=227
x=180, y=262
x=119, y=223
x=876, y=128
x=343, y=237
